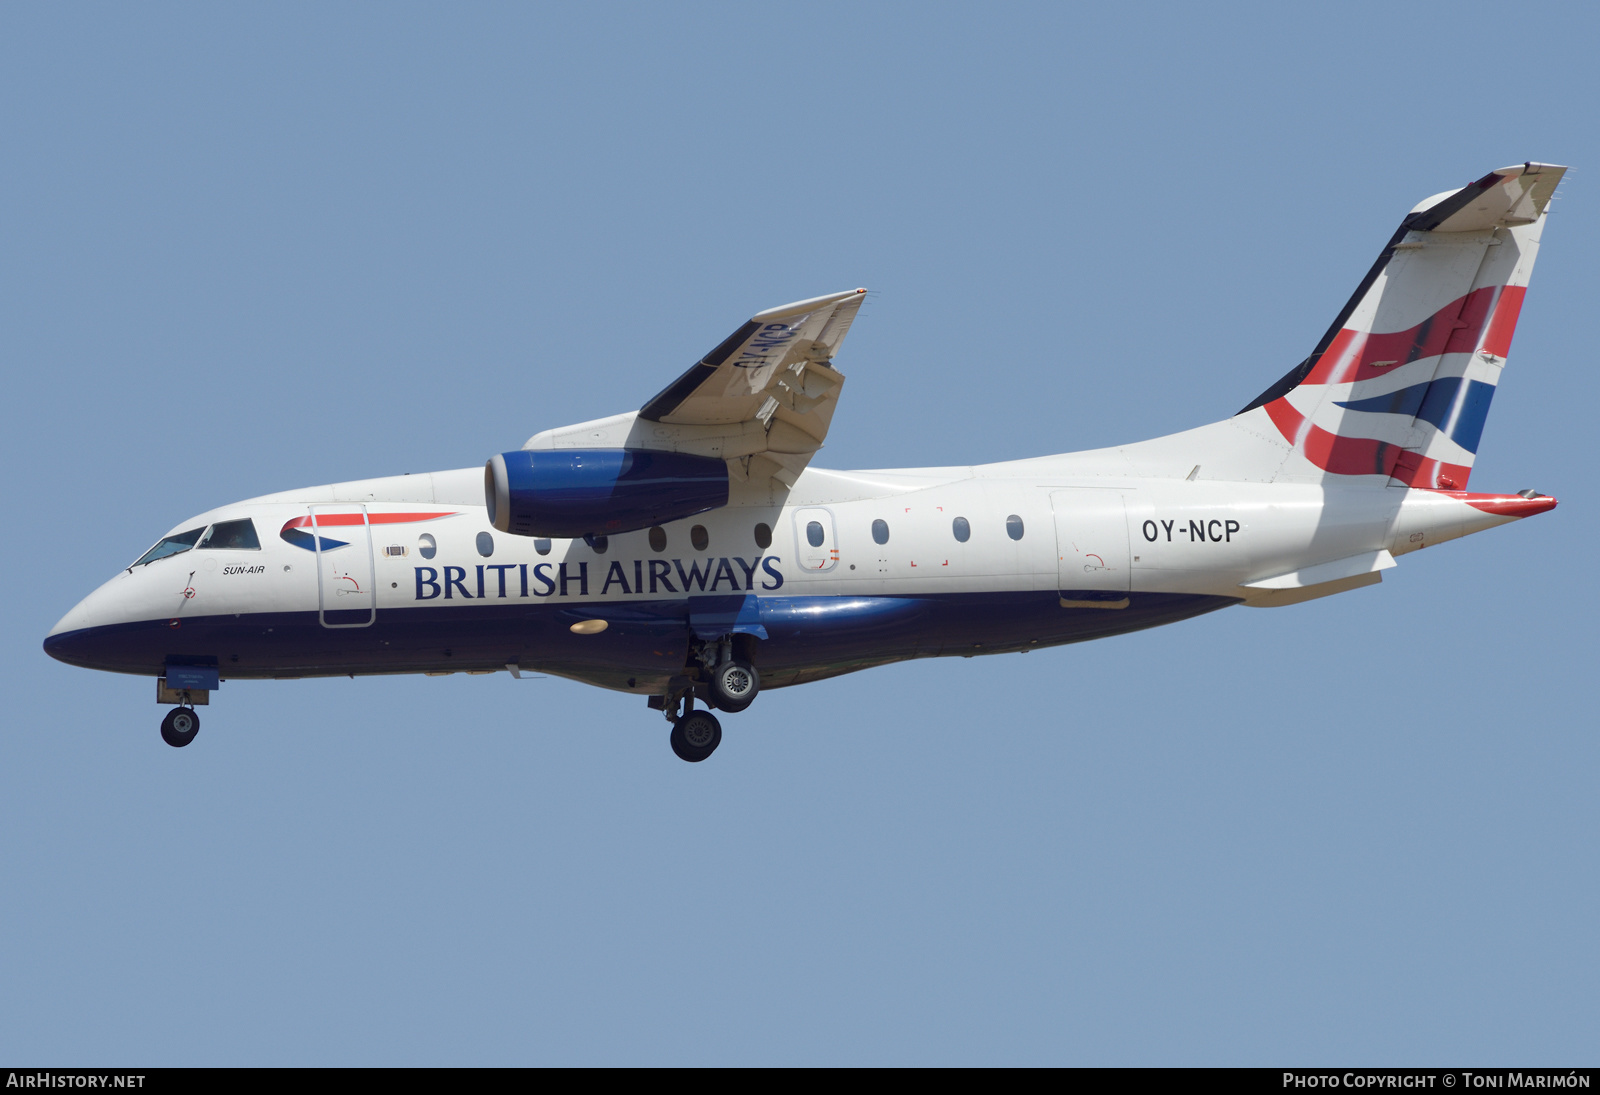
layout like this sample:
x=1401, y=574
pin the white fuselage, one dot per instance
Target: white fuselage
x=419, y=561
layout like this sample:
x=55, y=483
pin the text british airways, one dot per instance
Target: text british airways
x=566, y=579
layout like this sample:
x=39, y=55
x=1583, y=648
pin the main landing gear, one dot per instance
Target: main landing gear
x=180, y=726
x=729, y=672
x=734, y=685
x=695, y=736
x=726, y=679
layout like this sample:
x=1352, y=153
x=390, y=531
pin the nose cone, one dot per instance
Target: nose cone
x=99, y=633
x=73, y=638
x=66, y=646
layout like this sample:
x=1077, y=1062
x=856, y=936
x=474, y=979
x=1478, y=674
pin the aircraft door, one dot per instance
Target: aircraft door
x=1091, y=545
x=347, y=595
x=814, y=540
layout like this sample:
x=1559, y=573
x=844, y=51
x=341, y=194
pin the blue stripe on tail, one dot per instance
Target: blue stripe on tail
x=1458, y=409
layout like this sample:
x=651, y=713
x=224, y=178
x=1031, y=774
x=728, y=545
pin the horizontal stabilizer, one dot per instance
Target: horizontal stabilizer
x=1501, y=199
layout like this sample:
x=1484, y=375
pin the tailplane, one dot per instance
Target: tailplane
x=1400, y=384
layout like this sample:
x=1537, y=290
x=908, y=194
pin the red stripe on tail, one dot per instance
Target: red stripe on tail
x=1487, y=316
x=1330, y=451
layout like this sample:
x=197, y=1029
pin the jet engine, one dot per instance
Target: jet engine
x=568, y=493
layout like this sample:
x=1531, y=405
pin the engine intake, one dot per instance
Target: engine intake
x=567, y=493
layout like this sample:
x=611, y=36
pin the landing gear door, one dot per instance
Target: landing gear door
x=347, y=595
x=1092, y=545
x=817, y=549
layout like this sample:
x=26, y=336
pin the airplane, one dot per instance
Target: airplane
x=688, y=552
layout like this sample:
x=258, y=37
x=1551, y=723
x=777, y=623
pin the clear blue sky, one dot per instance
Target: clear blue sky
x=248, y=248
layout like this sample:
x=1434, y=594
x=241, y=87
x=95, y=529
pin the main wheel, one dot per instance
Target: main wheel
x=180, y=726
x=696, y=736
x=734, y=685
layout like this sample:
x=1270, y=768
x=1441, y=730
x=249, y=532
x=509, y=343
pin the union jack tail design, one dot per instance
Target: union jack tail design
x=1400, y=385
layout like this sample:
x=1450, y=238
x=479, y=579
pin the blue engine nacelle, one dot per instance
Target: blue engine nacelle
x=569, y=493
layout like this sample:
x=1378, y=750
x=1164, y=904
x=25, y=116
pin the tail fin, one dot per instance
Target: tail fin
x=1400, y=385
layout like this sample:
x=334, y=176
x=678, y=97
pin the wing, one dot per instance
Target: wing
x=762, y=400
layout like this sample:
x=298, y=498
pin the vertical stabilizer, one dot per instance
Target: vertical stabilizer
x=1399, y=387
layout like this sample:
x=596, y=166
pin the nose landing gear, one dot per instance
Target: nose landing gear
x=180, y=726
x=187, y=687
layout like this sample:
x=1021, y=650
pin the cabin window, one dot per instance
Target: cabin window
x=485, y=544
x=541, y=545
x=171, y=545
x=427, y=546
x=599, y=543
x=232, y=536
x=880, y=531
x=815, y=528
x=763, y=535
x=698, y=537
x=1014, y=527
x=961, y=530
x=658, y=539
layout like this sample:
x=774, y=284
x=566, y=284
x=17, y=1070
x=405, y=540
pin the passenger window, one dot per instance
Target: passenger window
x=1014, y=527
x=815, y=527
x=171, y=545
x=232, y=536
x=698, y=537
x=599, y=543
x=880, y=531
x=427, y=546
x=763, y=535
x=541, y=545
x=961, y=529
x=658, y=539
x=485, y=544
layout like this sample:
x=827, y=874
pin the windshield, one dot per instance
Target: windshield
x=171, y=545
x=233, y=535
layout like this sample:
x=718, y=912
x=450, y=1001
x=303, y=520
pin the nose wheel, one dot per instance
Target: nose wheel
x=696, y=736
x=182, y=724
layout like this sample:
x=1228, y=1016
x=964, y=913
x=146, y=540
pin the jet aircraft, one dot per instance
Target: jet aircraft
x=687, y=552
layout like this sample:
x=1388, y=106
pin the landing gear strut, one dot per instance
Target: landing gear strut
x=180, y=726
x=695, y=736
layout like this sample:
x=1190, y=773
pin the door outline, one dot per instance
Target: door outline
x=1074, y=572
x=322, y=577
x=830, y=540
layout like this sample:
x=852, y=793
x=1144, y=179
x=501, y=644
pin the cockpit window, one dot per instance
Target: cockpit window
x=171, y=545
x=233, y=536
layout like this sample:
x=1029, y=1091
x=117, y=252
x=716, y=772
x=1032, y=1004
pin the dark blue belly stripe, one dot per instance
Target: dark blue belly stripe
x=646, y=641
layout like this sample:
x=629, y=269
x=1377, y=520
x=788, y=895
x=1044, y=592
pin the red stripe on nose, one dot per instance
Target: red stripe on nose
x=329, y=520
